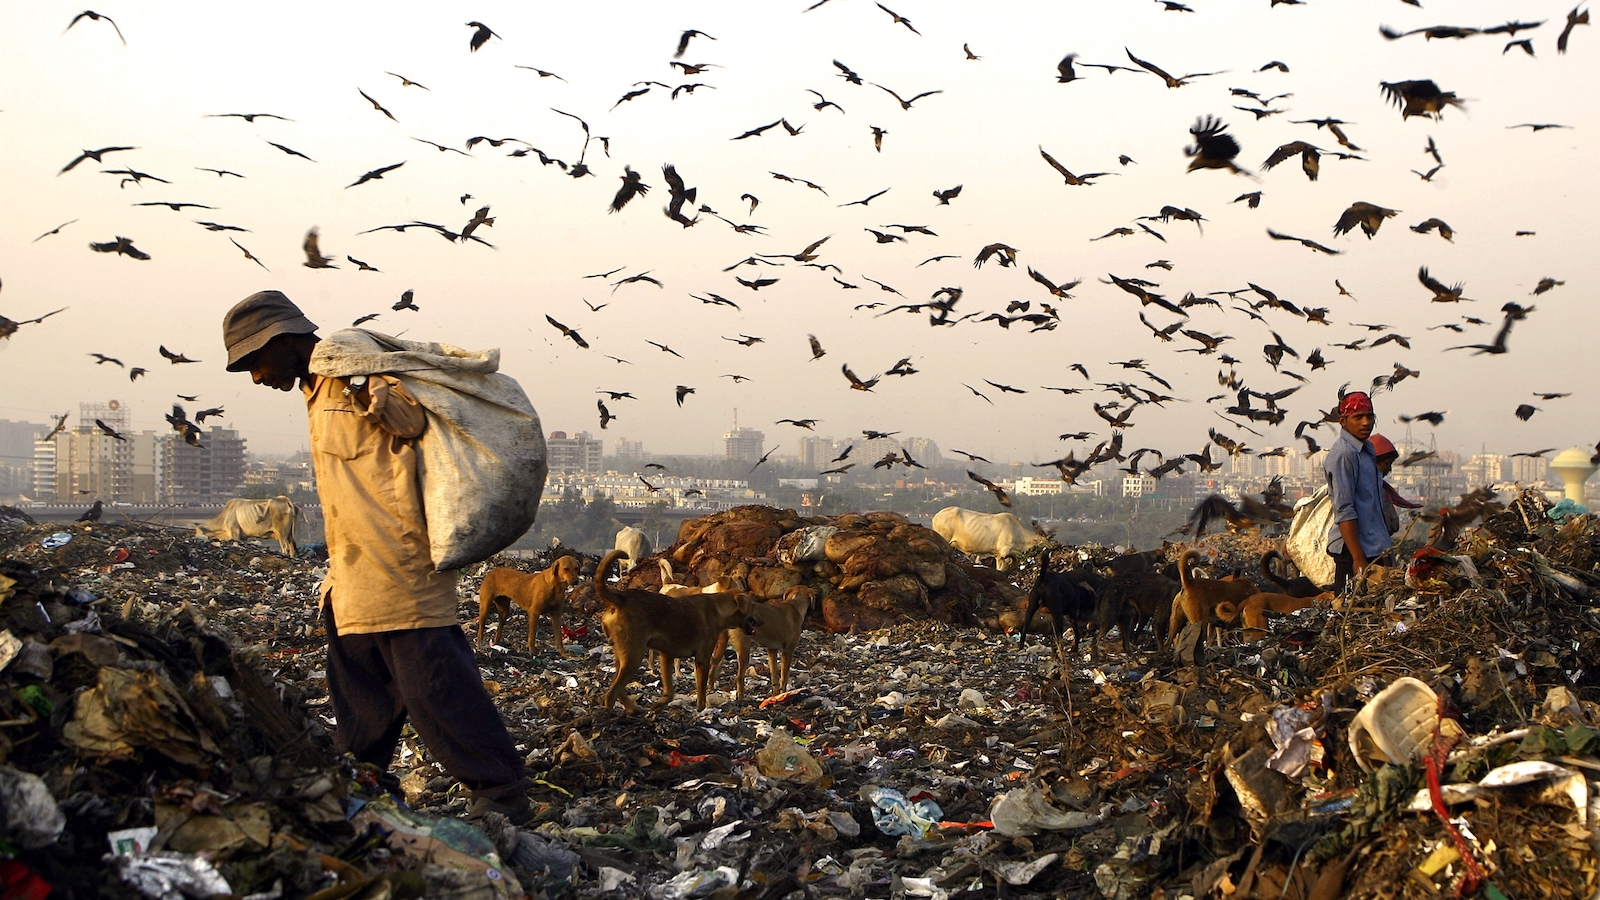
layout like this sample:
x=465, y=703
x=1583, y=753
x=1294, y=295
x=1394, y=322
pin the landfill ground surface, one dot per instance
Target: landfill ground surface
x=159, y=681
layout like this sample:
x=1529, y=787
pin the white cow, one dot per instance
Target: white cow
x=632, y=541
x=241, y=518
x=976, y=534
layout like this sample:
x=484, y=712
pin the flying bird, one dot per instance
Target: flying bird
x=93, y=16
x=90, y=154
x=406, y=82
x=55, y=230
x=374, y=175
x=248, y=117
x=1159, y=73
x=1213, y=147
x=764, y=457
x=248, y=255
x=406, y=301
x=1445, y=231
x=569, y=332
x=1304, y=242
x=1071, y=179
x=605, y=414
x=899, y=19
x=1441, y=293
x=1369, y=216
x=816, y=347
x=291, y=151
x=9, y=327
x=120, y=245
x=1577, y=17
x=314, y=257
x=1420, y=98
x=904, y=103
x=682, y=392
x=376, y=105
x=999, y=493
x=632, y=185
x=946, y=196
x=175, y=358
x=855, y=382
x=683, y=41
x=480, y=36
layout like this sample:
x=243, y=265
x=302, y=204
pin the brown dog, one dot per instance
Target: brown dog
x=1254, y=608
x=538, y=592
x=637, y=621
x=777, y=627
x=1197, y=601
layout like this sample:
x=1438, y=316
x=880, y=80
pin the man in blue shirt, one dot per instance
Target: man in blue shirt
x=1355, y=487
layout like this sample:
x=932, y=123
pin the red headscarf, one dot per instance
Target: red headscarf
x=1355, y=402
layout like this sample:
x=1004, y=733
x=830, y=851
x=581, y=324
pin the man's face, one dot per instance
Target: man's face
x=277, y=365
x=1358, y=424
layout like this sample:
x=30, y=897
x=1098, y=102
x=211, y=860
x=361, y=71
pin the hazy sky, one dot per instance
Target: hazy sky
x=62, y=93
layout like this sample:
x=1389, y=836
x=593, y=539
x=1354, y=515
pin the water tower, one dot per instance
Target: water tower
x=1574, y=467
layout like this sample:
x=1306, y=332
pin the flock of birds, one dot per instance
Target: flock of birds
x=1210, y=147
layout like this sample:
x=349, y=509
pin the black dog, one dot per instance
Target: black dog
x=1069, y=597
x=1129, y=602
x=1298, y=586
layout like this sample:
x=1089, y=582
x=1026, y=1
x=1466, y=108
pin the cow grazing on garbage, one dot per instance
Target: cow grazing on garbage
x=632, y=542
x=241, y=518
x=1001, y=535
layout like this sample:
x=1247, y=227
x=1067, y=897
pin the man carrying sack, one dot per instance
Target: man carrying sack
x=1359, y=534
x=395, y=648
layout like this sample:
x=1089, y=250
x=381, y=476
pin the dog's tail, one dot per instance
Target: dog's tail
x=1268, y=570
x=600, y=589
x=1189, y=558
x=1227, y=612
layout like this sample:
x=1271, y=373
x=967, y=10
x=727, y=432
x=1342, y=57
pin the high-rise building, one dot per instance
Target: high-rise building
x=743, y=444
x=87, y=461
x=16, y=456
x=627, y=452
x=1484, y=468
x=1528, y=470
x=213, y=473
x=924, y=450
x=816, y=452
x=580, y=454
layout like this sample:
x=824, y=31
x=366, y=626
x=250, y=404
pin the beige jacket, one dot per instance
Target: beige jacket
x=380, y=574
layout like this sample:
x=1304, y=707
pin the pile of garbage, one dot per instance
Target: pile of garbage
x=868, y=570
x=165, y=716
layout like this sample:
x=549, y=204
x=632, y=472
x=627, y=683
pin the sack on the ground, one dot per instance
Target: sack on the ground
x=481, y=458
x=1307, y=545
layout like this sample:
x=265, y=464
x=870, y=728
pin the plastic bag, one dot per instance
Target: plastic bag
x=481, y=458
x=1307, y=544
x=1024, y=810
x=783, y=758
x=805, y=544
x=29, y=816
x=894, y=814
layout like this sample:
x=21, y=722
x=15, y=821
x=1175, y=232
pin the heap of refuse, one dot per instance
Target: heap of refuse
x=165, y=722
x=868, y=571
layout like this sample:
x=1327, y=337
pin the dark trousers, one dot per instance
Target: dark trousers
x=429, y=674
x=1344, y=566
